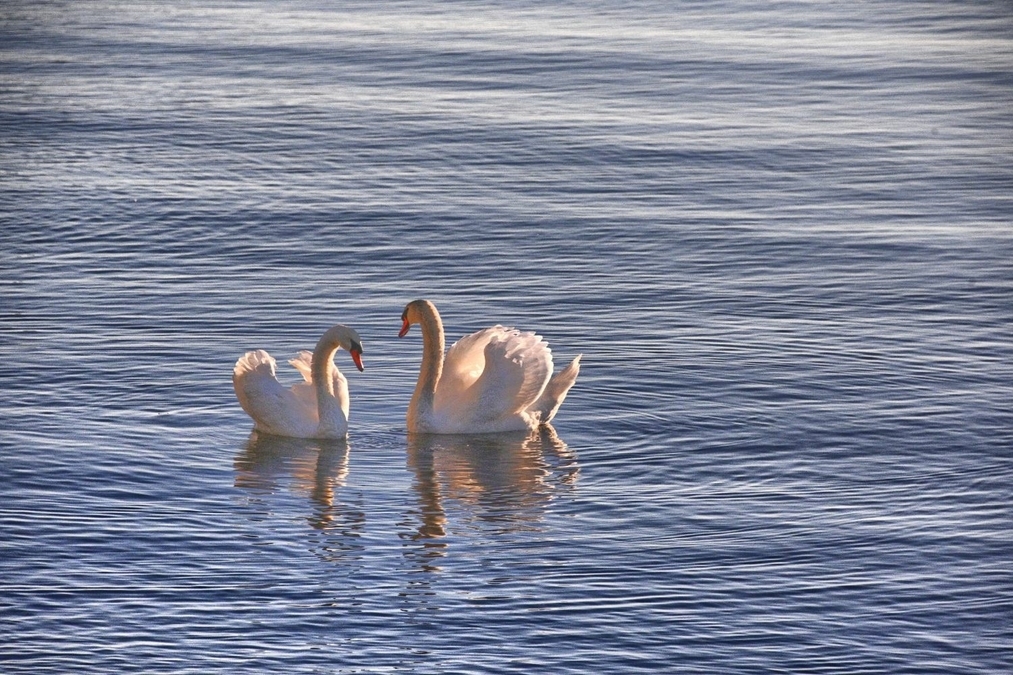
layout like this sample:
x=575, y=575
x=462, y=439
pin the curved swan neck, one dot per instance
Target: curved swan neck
x=323, y=367
x=433, y=342
x=322, y=370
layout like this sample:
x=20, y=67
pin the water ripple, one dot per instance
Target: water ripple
x=779, y=239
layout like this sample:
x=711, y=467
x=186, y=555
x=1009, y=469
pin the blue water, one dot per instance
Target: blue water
x=780, y=234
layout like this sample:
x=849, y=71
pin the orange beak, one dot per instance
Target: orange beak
x=357, y=357
x=404, y=328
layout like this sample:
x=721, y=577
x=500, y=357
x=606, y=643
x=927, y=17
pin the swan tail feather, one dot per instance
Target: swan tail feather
x=555, y=392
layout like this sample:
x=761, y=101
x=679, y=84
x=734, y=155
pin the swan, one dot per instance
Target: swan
x=316, y=408
x=498, y=379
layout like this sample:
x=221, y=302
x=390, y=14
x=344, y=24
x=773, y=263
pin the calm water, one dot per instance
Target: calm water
x=781, y=234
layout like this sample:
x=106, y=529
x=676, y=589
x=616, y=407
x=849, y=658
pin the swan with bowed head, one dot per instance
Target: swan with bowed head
x=498, y=379
x=315, y=408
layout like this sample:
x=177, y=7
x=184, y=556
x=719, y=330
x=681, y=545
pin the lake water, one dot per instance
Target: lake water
x=781, y=235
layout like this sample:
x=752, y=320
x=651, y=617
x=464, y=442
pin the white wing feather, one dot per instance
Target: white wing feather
x=273, y=407
x=303, y=362
x=463, y=364
x=518, y=365
x=491, y=375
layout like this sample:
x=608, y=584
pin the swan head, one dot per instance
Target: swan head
x=354, y=347
x=413, y=313
x=347, y=339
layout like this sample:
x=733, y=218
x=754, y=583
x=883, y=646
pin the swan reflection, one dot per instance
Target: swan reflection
x=276, y=467
x=497, y=483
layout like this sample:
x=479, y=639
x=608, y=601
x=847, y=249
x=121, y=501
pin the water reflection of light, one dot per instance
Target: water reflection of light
x=275, y=467
x=493, y=482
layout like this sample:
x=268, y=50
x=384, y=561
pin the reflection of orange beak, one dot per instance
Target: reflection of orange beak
x=357, y=357
x=404, y=328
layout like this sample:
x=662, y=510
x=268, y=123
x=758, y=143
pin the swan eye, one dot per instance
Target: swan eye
x=356, y=347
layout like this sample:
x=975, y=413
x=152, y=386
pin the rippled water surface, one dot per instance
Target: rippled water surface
x=780, y=234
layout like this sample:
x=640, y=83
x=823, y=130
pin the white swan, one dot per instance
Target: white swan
x=316, y=408
x=498, y=379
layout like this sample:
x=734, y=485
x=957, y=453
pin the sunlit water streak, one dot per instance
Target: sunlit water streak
x=780, y=235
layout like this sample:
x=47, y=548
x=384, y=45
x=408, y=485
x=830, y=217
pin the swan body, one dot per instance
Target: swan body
x=315, y=408
x=498, y=379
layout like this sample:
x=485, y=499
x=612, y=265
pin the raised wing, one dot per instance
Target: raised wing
x=490, y=374
x=303, y=362
x=462, y=366
x=517, y=367
x=273, y=407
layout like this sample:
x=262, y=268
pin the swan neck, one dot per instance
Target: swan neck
x=433, y=343
x=322, y=369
